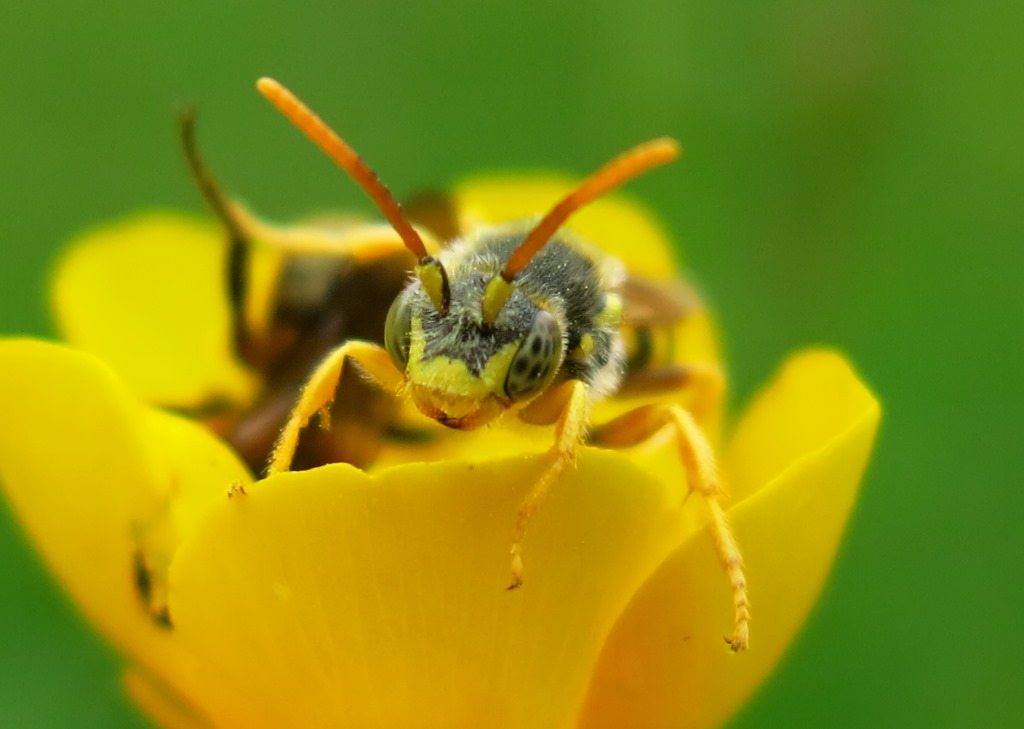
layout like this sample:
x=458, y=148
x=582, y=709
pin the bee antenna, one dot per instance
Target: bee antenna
x=621, y=169
x=218, y=204
x=428, y=269
x=208, y=187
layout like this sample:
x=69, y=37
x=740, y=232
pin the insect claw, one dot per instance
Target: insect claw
x=517, y=567
x=737, y=642
x=163, y=618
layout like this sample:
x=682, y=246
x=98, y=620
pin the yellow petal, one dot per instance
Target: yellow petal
x=334, y=598
x=810, y=401
x=619, y=225
x=147, y=296
x=665, y=664
x=93, y=477
x=198, y=470
x=74, y=465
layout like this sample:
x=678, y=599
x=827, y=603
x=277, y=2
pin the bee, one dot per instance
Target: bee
x=524, y=318
x=329, y=280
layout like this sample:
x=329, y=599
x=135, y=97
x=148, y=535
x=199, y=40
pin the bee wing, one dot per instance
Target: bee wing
x=649, y=303
x=670, y=345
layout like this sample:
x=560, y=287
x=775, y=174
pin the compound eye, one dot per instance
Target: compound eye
x=397, y=330
x=537, y=360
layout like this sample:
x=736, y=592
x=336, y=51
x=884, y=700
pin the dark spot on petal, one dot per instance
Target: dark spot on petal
x=143, y=578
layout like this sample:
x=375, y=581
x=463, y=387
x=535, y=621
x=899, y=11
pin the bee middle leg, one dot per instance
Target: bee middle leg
x=704, y=381
x=320, y=388
x=698, y=459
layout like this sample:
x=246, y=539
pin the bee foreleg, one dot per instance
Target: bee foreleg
x=319, y=391
x=698, y=459
x=570, y=429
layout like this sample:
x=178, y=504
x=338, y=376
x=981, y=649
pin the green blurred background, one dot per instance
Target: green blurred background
x=853, y=176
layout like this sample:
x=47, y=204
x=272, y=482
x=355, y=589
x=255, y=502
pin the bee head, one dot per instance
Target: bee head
x=474, y=346
x=462, y=370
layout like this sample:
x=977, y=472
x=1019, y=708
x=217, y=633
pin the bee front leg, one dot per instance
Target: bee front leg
x=698, y=459
x=570, y=429
x=319, y=391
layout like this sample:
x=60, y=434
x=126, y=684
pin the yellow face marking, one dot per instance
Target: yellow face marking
x=431, y=276
x=449, y=376
x=496, y=294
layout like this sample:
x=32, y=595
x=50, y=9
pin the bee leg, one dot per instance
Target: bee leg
x=570, y=428
x=698, y=459
x=318, y=393
x=703, y=379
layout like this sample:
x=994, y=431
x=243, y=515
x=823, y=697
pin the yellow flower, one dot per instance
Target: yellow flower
x=338, y=598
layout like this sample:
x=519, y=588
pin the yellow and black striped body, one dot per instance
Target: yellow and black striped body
x=649, y=346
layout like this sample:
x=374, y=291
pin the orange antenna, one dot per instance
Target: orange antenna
x=621, y=169
x=347, y=158
x=429, y=270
